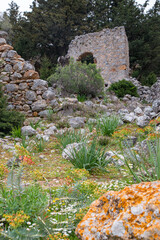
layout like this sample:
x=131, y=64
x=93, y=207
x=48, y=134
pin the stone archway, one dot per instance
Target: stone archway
x=87, y=57
x=109, y=48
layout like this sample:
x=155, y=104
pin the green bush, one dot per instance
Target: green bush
x=148, y=80
x=107, y=125
x=79, y=78
x=8, y=119
x=122, y=88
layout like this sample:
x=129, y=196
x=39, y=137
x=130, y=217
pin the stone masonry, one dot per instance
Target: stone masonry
x=109, y=49
x=26, y=92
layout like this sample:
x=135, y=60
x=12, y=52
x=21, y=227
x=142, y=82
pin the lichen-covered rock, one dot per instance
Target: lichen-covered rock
x=132, y=213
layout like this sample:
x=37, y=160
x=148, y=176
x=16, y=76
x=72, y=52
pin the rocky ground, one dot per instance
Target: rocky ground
x=43, y=139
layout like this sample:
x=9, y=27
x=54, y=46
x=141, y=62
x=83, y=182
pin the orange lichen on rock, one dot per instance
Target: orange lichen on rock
x=132, y=213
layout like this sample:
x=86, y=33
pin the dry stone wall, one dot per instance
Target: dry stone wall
x=25, y=91
x=109, y=48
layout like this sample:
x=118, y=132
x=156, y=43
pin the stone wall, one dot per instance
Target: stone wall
x=25, y=91
x=110, y=51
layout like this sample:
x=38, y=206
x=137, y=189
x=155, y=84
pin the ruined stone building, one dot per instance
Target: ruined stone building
x=109, y=48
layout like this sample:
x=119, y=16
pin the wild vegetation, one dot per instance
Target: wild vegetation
x=29, y=211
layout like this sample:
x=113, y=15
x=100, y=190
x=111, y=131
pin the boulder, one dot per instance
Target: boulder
x=40, y=84
x=28, y=131
x=68, y=152
x=28, y=66
x=148, y=110
x=49, y=94
x=50, y=131
x=129, y=118
x=54, y=103
x=156, y=106
x=18, y=66
x=39, y=105
x=131, y=213
x=5, y=47
x=2, y=41
x=11, y=87
x=143, y=121
x=77, y=122
x=31, y=95
x=138, y=111
x=31, y=74
x=12, y=54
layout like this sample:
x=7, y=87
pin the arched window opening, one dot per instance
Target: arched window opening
x=87, y=58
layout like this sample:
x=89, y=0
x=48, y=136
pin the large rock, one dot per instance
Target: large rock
x=31, y=95
x=31, y=74
x=68, y=152
x=156, y=106
x=11, y=87
x=49, y=94
x=39, y=105
x=132, y=213
x=5, y=47
x=40, y=84
x=2, y=41
x=143, y=121
x=77, y=122
x=28, y=131
x=128, y=118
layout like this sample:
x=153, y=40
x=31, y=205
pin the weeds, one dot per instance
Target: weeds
x=107, y=125
x=35, y=125
x=143, y=165
x=70, y=137
x=89, y=157
x=16, y=132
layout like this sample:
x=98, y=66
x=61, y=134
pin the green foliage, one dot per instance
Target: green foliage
x=70, y=137
x=89, y=157
x=148, y=80
x=16, y=132
x=35, y=125
x=46, y=68
x=123, y=87
x=107, y=125
x=81, y=98
x=79, y=78
x=144, y=166
x=31, y=200
x=8, y=119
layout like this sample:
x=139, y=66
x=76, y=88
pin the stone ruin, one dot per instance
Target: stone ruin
x=110, y=51
x=31, y=95
x=26, y=92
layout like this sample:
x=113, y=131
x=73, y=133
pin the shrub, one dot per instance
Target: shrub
x=122, y=88
x=79, y=78
x=8, y=119
x=148, y=80
x=107, y=125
